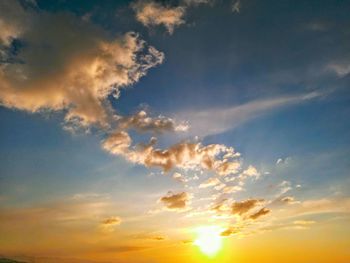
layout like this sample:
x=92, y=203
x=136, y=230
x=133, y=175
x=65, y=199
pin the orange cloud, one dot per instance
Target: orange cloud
x=244, y=206
x=151, y=13
x=77, y=73
x=177, y=201
x=263, y=211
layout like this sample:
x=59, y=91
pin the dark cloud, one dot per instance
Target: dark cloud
x=263, y=211
x=245, y=206
x=177, y=201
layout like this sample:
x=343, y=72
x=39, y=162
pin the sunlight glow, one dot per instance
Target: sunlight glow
x=209, y=240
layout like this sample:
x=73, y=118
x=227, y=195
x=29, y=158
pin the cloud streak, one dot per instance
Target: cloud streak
x=219, y=120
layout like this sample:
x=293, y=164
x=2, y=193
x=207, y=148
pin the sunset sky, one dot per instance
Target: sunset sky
x=175, y=131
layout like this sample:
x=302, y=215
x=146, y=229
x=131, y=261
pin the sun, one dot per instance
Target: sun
x=208, y=240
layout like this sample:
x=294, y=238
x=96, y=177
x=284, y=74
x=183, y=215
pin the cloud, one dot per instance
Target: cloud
x=236, y=6
x=245, y=206
x=108, y=224
x=340, y=69
x=114, y=220
x=232, y=189
x=230, y=231
x=284, y=187
x=117, y=143
x=177, y=201
x=179, y=177
x=251, y=171
x=219, y=120
x=288, y=200
x=263, y=211
x=143, y=123
x=150, y=236
x=74, y=69
x=210, y=182
x=151, y=13
x=186, y=155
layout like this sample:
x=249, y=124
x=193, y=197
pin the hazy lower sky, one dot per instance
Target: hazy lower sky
x=175, y=131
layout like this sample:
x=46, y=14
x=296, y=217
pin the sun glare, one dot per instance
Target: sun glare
x=208, y=240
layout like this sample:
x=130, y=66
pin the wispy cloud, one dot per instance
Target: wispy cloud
x=219, y=120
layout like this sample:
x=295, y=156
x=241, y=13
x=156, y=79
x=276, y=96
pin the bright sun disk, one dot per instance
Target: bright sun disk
x=209, y=240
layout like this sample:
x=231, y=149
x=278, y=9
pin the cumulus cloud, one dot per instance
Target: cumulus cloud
x=74, y=69
x=117, y=143
x=245, y=206
x=263, y=211
x=151, y=13
x=142, y=122
x=175, y=201
x=251, y=171
x=184, y=155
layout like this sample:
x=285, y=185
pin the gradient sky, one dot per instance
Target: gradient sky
x=128, y=125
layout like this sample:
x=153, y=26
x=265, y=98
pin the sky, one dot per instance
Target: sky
x=175, y=131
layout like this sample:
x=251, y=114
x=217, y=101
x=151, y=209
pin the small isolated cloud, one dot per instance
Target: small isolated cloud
x=245, y=206
x=284, y=187
x=108, y=224
x=114, y=220
x=177, y=201
x=263, y=211
x=151, y=13
x=179, y=177
x=150, y=236
x=289, y=200
x=236, y=6
x=230, y=231
x=284, y=161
